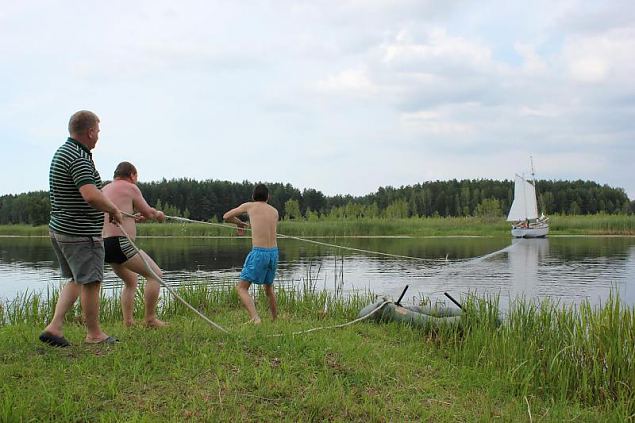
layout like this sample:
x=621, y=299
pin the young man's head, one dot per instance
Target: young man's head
x=84, y=127
x=126, y=170
x=261, y=193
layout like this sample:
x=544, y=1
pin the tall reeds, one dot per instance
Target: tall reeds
x=568, y=352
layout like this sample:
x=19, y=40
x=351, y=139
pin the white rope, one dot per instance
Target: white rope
x=325, y=244
x=217, y=326
x=183, y=219
x=178, y=297
x=359, y=319
x=359, y=250
x=165, y=285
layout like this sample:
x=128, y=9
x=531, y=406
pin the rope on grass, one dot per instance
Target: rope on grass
x=165, y=285
x=359, y=319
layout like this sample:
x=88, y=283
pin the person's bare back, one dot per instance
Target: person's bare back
x=263, y=220
x=126, y=195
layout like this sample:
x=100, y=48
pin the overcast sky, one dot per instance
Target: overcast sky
x=342, y=96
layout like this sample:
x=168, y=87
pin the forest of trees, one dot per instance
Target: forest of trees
x=208, y=200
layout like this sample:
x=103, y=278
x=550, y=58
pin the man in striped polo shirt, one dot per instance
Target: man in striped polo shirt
x=77, y=206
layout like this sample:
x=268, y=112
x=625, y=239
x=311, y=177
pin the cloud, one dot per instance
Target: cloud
x=607, y=57
x=437, y=51
x=437, y=124
x=348, y=81
x=533, y=63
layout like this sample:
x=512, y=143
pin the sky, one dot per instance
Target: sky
x=342, y=96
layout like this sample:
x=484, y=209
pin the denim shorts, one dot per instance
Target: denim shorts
x=81, y=257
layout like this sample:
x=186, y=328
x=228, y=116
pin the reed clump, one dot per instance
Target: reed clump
x=565, y=352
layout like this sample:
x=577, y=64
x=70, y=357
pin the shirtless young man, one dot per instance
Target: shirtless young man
x=121, y=255
x=260, y=264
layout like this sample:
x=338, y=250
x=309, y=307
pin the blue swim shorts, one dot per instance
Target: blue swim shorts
x=260, y=265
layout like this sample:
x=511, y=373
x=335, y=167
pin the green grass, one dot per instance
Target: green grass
x=600, y=224
x=549, y=362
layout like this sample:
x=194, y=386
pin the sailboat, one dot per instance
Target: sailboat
x=524, y=210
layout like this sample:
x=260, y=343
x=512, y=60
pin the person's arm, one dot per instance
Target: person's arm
x=139, y=203
x=232, y=215
x=93, y=196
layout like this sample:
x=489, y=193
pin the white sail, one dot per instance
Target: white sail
x=525, y=205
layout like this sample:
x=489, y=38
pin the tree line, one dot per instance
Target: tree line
x=208, y=200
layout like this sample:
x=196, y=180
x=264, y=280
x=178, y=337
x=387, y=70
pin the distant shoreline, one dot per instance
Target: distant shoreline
x=416, y=227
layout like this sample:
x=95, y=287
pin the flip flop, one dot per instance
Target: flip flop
x=54, y=341
x=111, y=340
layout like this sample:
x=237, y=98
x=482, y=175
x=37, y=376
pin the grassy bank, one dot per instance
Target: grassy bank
x=543, y=364
x=432, y=226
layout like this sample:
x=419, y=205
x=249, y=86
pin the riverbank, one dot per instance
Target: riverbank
x=539, y=365
x=623, y=225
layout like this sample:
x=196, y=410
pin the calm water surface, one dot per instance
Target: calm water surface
x=568, y=269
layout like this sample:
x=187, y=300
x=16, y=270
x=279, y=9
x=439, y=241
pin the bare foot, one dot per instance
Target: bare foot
x=128, y=323
x=254, y=321
x=156, y=323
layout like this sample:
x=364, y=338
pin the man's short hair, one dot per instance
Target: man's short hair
x=81, y=122
x=261, y=193
x=125, y=170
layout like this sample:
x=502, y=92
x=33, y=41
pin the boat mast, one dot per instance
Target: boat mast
x=533, y=179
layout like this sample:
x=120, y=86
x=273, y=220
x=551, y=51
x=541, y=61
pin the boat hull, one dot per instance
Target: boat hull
x=535, y=232
x=422, y=317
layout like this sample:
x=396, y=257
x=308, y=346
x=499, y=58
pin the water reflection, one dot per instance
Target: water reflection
x=524, y=259
x=567, y=269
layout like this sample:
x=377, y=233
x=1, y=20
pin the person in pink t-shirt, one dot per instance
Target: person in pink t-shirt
x=121, y=255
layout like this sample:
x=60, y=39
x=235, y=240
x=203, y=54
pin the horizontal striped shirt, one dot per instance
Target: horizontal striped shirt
x=72, y=167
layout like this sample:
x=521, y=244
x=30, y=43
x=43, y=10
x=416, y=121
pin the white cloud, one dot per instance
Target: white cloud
x=353, y=81
x=532, y=62
x=436, y=123
x=604, y=57
x=436, y=49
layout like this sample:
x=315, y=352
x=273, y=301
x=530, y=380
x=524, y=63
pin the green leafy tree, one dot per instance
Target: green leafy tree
x=292, y=209
x=397, y=210
x=312, y=216
x=489, y=208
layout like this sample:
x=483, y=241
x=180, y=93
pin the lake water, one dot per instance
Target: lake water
x=568, y=269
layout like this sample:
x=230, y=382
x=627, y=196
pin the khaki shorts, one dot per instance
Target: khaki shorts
x=81, y=257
